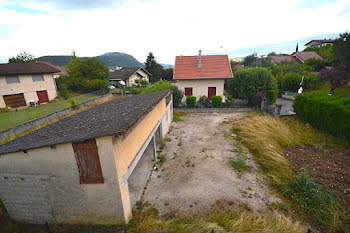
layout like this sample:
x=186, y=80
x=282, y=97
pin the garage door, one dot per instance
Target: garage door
x=15, y=101
x=42, y=96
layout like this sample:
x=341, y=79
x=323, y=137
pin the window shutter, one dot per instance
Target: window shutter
x=188, y=91
x=88, y=162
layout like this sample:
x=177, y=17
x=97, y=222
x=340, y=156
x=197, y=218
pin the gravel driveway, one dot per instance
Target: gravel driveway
x=196, y=173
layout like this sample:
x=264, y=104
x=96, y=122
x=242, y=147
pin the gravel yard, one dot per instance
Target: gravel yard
x=196, y=172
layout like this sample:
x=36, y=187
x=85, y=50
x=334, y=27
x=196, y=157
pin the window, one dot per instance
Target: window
x=188, y=91
x=37, y=77
x=10, y=79
x=88, y=162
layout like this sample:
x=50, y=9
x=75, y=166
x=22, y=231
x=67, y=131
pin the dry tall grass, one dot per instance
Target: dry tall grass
x=219, y=220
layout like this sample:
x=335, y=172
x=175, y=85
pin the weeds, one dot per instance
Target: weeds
x=177, y=116
x=266, y=136
x=239, y=164
x=161, y=159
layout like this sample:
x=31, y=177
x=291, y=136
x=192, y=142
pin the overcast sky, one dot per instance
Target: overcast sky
x=167, y=28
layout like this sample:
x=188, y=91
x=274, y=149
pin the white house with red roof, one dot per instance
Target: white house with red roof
x=202, y=75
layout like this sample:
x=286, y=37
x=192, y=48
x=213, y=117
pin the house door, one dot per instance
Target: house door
x=211, y=92
x=15, y=101
x=42, y=96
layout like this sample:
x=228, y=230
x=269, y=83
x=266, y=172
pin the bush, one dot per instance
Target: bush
x=73, y=104
x=247, y=82
x=190, y=101
x=257, y=98
x=315, y=64
x=5, y=109
x=204, y=101
x=144, y=82
x=272, y=95
x=310, y=81
x=291, y=82
x=177, y=96
x=157, y=86
x=229, y=101
x=328, y=113
x=216, y=101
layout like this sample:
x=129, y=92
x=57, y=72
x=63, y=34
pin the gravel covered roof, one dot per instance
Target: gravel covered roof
x=110, y=118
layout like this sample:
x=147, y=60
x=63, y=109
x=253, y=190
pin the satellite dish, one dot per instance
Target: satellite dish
x=122, y=83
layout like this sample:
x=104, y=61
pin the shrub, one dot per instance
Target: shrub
x=272, y=95
x=190, y=101
x=204, y=101
x=315, y=64
x=157, y=86
x=144, y=82
x=257, y=98
x=73, y=104
x=216, y=101
x=5, y=109
x=291, y=82
x=229, y=101
x=177, y=96
x=247, y=82
x=328, y=113
x=310, y=81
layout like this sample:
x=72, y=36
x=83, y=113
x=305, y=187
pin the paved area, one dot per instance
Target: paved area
x=287, y=106
x=196, y=173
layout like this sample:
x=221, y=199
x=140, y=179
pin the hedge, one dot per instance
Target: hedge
x=272, y=95
x=216, y=101
x=190, y=101
x=327, y=113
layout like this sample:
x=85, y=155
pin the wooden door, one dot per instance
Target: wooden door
x=42, y=96
x=88, y=162
x=15, y=101
x=211, y=92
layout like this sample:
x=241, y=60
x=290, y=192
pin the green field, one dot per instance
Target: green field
x=13, y=118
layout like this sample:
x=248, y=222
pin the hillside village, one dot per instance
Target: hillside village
x=109, y=144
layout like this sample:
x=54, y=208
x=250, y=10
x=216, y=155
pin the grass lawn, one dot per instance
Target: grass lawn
x=13, y=118
x=340, y=91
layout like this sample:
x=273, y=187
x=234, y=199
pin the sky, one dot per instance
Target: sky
x=165, y=27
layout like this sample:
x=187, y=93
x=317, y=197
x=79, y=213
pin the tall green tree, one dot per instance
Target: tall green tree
x=250, y=59
x=153, y=67
x=341, y=49
x=23, y=57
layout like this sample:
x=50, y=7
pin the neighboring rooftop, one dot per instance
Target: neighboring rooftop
x=111, y=118
x=213, y=67
x=26, y=68
x=303, y=56
x=319, y=42
x=125, y=73
x=60, y=68
x=281, y=58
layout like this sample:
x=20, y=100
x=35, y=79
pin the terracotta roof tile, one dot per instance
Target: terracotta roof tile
x=213, y=66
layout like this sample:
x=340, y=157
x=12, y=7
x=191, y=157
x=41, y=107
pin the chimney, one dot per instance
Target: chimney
x=181, y=57
x=199, y=59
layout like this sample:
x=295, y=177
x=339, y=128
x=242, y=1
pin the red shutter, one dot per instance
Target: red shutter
x=211, y=92
x=88, y=162
x=188, y=91
x=42, y=96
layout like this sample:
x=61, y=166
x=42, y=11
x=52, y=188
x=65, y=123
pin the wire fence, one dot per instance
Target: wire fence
x=20, y=116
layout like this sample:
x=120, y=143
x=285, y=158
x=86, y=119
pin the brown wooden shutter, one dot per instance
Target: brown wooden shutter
x=88, y=162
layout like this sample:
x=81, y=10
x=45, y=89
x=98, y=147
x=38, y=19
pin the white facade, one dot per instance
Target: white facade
x=200, y=86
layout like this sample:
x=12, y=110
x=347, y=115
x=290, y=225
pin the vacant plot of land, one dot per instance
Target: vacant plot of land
x=199, y=170
x=329, y=168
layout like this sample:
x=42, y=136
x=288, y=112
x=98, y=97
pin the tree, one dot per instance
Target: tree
x=338, y=76
x=248, y=82
x=167, y=74
x=341, y=49
x=250, y=59
x=84, y=75
x=23, y=57
x=153, y=67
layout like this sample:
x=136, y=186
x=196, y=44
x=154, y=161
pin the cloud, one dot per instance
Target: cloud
x=167, y=28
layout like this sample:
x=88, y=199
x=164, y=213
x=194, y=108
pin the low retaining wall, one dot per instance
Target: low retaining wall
x=210, y=110
x=19, y=129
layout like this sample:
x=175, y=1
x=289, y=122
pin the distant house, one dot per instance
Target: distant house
x=130, y=75
x=88, y=168
x=22, y=83
x=62, y=70
x=298, y=57
x=319, y=43
x=202, y=75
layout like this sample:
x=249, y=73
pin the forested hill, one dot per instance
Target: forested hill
x=108, y=59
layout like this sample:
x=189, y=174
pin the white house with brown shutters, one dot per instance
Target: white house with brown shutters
x=23, y=83
x=88, y=168
x=202, y=75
